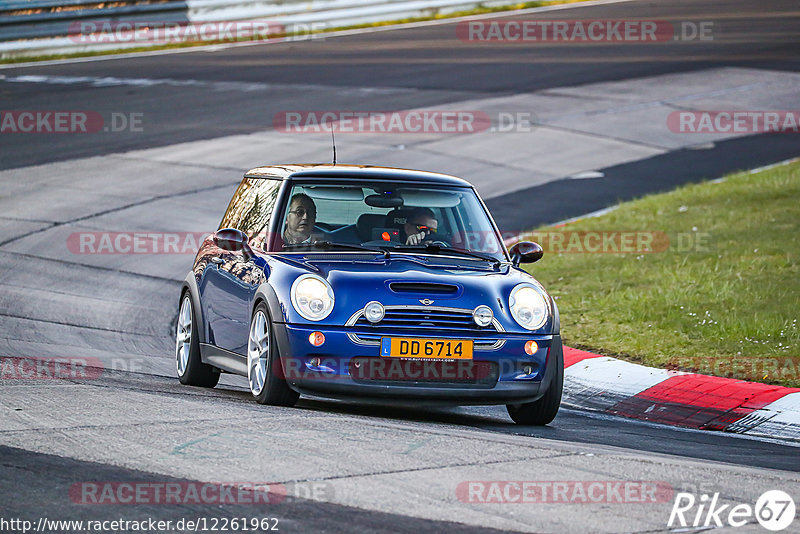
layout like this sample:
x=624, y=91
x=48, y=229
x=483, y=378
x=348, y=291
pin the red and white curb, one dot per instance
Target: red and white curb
x=600, y=383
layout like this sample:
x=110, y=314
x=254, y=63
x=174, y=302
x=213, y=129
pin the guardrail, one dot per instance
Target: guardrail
x=58, y=18
x=38, y=27
x=50, y=18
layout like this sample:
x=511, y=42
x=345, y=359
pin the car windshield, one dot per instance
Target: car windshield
x=391, y=217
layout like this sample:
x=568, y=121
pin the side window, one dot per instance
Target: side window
x=251, y=208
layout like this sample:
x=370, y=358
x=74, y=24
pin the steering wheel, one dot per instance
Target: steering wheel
x=440, y=244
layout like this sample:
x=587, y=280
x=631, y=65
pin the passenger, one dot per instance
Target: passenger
x=420, y=225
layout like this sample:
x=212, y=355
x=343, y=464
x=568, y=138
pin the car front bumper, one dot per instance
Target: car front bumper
x=344, y=368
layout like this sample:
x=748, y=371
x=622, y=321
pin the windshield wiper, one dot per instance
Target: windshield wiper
x=447, y=250
x=327, y=245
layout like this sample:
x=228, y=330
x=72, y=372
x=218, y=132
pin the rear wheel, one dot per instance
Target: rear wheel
x=544, y=410
x=191, y=370
x=263, y=364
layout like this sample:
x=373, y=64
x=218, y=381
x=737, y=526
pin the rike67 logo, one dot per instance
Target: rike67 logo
x=774, y=510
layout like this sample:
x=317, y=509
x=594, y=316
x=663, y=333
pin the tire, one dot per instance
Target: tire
x=264, y=370
x=191, y=370
x=544, y=410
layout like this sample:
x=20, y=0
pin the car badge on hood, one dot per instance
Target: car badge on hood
x=426, y=302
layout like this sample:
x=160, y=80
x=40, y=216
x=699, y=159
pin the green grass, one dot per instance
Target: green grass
x=727, y=307
x=191, y=44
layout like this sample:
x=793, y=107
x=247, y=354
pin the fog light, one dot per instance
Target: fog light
x=527, y=370
x=374, y=311
x=483, y=315
x=531, y=347
x=315, y=362
x=316, y=338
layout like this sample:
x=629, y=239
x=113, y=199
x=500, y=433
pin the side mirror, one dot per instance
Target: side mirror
x=233, y=240
x=526, y=252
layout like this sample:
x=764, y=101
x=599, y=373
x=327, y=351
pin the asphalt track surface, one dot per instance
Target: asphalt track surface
x=566, y=198
x=402, y=68
x=53, y=476
x=437, y=67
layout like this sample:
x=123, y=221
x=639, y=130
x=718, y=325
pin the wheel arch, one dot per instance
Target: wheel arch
x=190, y=284
x=556, y=318
x=266, y=294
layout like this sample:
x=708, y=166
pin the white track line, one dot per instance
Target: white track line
x=246, y=87
x=772, y=166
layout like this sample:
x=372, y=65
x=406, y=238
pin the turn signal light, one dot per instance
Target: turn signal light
x=316, y=338
x=531, y=347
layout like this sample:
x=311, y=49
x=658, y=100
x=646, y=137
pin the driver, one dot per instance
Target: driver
x=300, y=220
x=420, y=225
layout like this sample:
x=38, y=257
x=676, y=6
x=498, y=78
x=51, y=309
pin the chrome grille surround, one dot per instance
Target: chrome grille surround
x=416, y=317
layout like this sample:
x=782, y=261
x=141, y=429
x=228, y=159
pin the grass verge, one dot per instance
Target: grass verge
x=720, y=297
x=192, y=44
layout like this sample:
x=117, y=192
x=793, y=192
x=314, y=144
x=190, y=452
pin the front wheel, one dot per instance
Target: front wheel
x=263, y=364
x=191, y=370
x=544, y=410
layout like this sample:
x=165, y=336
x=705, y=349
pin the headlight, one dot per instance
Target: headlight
x=529, y=307
x=312, y=297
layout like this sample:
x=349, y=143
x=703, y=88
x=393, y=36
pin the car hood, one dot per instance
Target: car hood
x=401, y=280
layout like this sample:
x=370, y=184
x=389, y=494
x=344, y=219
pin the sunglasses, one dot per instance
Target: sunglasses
x=426, y=229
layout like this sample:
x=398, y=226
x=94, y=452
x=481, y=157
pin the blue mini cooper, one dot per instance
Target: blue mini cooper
x=371, y=284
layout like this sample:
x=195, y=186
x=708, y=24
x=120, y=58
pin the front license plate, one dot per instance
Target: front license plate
x=420, y=348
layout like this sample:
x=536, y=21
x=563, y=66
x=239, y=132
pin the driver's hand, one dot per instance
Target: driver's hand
x=415, y=239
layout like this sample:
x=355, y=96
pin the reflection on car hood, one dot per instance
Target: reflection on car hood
x=324, y=263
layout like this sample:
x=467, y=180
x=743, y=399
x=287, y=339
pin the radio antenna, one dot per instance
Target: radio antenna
x=333, y=142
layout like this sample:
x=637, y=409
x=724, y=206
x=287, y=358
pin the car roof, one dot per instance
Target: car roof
x=354, y=172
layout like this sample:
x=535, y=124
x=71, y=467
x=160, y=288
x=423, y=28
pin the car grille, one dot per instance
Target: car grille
x=424, y=321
